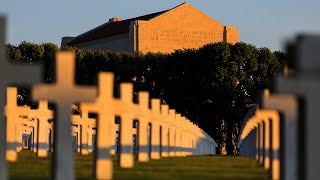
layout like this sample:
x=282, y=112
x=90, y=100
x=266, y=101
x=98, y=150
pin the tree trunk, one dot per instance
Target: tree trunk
x=221, y=136
x=229, y=140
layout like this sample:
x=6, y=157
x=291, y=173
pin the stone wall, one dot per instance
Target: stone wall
x=182, y=27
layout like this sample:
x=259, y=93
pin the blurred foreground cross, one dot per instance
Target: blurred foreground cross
x=63, y=93
x=305, y=83
x=10, y=75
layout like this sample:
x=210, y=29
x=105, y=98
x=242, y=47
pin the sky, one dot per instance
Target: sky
x=263, y=23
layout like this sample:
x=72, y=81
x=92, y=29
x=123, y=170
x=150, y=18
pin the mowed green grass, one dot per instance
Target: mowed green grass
x=192, y=167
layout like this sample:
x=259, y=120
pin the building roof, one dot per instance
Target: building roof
x=111, y=29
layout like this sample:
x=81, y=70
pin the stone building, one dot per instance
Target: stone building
x=180, y=27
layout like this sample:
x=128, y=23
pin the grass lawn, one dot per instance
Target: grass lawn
x=192, y=167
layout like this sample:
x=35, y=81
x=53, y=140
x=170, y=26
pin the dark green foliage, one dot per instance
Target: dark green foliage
x=13, y=53
x=48, y=57
x=31, y=52
x=214, y=86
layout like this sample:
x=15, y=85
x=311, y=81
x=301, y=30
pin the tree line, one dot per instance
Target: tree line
x=214, y=86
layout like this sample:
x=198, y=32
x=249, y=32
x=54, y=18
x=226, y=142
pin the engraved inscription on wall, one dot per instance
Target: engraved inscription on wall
x=183, y=36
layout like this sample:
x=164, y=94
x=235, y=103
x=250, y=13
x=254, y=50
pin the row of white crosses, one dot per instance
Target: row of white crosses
x=86, y=126
x=19, y=117
x=260, y=139
x=43, y=114
x=286, y=128
x=180, y=137
x=183, y=140
x=38, y=121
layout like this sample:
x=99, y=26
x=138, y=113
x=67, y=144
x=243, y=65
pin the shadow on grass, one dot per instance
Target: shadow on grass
x=191, y=167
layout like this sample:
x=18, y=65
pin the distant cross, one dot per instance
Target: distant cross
x=126, y=113
x=42, y=115
x=155, y=135
x=9, y=75
x=103, y=106
x=267, y=129
x=85, y=122
x=143, y=112
x=165, y=130
x=24, y=111
x=192, y=137
x=63, y=93
x=32, y=124
x=183, y=136
x=13, y=111
x=178, y=134
x=76, y=134
x=172, y=133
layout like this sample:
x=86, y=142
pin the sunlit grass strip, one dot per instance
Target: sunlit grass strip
x=193, y=167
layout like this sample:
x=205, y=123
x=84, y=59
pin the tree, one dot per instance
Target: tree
x=214, y=86
x=31, y=52
x=13, y=53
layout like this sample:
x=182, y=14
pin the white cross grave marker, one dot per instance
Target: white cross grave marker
x=126, y=154
x=86, y=123
x=305, y=83
x=13, y=112
x=144, y=113
x=177, y=121
x=31, y=124
x=103, y=106
x=155, y=134
x=64, y=93
x=165, y=130
x=172, y=133
x=42, y=114
x=9, y=75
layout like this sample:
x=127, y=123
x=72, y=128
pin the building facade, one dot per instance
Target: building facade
x=180, y=27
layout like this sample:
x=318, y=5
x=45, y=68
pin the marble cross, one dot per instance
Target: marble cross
x=265, y=117
x=76, y=142
x=178, y=134
x=63, y=93
x=155, y=134
x=172, y=133
x=10, y=75
x=104, y=107
x=165, y=130
x=144, y=118
x=287, y=104
x=254, y=123
x=193, y=138
x=181, y=128
x=42, y=115
x=251, y=125
x=85, y=122
x=13, y=111
x=31, y=124
x=189, y=138
x=24, y=111
x=185, y=136
x=126, y=154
